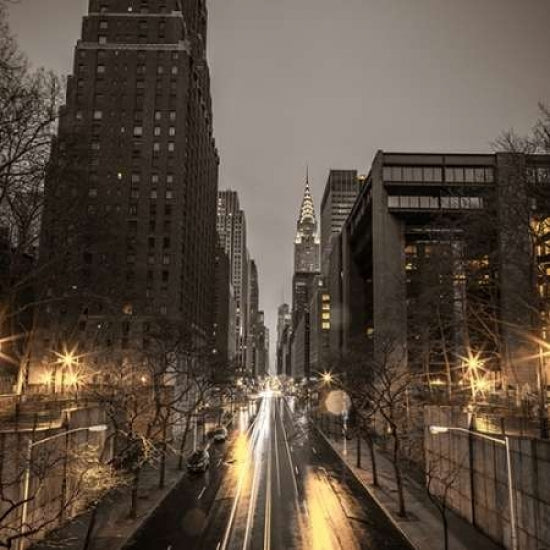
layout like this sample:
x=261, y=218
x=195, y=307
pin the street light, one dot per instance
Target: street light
x=327, y=377
x=436, y=430
x=27, y=475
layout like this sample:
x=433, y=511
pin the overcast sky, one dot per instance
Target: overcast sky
x=328, y=82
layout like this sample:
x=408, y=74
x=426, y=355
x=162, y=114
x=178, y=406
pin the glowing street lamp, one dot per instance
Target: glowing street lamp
x=327, y=377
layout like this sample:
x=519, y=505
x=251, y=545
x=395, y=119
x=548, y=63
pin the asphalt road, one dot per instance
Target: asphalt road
x=276, y=486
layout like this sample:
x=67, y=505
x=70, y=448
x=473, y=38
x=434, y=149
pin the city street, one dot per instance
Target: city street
x=280, y=486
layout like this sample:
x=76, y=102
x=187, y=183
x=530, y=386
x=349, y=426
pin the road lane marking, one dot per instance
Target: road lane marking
x=290, y=462
x=258, y=451
x=252, y=433
x=277, y=464
x=201, y=493
x=297, y=472
x=267, y=523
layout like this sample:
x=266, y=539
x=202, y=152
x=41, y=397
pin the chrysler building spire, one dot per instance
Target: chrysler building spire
x=306, y=247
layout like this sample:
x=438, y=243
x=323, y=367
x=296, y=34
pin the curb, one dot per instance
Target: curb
x=367, y=488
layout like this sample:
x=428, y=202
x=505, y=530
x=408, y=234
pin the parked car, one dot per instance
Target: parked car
x=199, y=461
x=220, y=434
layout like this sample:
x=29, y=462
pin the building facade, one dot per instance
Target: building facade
x=133, y=220
x=445, y=256
x=284, y=321
x=231, y=226
x=306, y=268
x=338, y=198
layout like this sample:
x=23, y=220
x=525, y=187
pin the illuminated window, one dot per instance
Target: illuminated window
x=98, y=115
x=326, y=307
x=326, y=297
x=326, y=316
x=138, y=131
x=325, y=325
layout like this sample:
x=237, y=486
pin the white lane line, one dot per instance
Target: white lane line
x=264, y=432
x=296, y=469
x=218, y=545
x=277, y=464
x=267, y=523
x=290, y=462
x=253, y=430
x=201, y=493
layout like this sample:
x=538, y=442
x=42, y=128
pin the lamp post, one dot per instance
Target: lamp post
x=27, y=474
x=436, y=430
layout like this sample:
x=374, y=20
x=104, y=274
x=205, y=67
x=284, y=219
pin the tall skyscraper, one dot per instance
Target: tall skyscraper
x=135, y=227
x=284, y=321
x=306, y=268
x=306, y=245
x=253, y=319
x=339, y=196
x=306, y=254
x=231, y=225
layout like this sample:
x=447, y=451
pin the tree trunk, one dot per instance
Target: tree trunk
x=183, y=441
x=398, y=476
x=359, y=448
x=370, y=443
x=445, y=529
x=90, y=530
x=162, y=466
x=134, y=497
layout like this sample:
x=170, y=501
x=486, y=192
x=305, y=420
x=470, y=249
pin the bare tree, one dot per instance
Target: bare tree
x=441, y=475
x=40, y=489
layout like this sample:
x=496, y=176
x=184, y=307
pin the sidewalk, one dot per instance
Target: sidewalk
x=423, y=526
x=113, y=527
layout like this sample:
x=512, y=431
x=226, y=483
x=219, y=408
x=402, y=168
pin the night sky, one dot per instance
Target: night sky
x=328, y=82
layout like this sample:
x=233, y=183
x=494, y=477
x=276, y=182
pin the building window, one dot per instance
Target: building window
x=138, y=131
x=172, y=131
x=160, y=69
x=157, y=131
x=325, y=325
x=326, y=316
x=169, y=179
x=92, y=192
x=154, y=179
x=136, y=178
x=171, y=146
x=100, y=69
x=158, y=115
x=98, y=115
x=153, y=194
x=172, y=116
x=102, y=39
x=156, y=147
x=166, y=259
x=169, y=195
